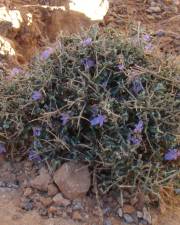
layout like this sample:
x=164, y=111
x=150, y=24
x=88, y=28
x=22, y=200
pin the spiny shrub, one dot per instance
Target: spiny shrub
x=100, y=100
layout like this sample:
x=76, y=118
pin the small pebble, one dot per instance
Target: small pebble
x=77, y=205
x=52, y=190
x=27, y=205
x=143, y=222
x=139, y=214
x=59, y=200
x=107, y=222
x=77, y=216
x=128, y=218
x=43, y=212
x=154, y=9
x=28, y=192
x=128, y=209
x=52, y=210
x=46, y=201
x=120, y=212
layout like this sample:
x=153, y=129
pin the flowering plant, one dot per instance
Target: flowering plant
x=81, y=105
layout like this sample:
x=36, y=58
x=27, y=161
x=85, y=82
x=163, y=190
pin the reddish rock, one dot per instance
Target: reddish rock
x=46, y=201
x=28, y=192
x=128, y=209
x=52, y=210
x=52, y=190
x=73, y=180
x=42, y=181
x=77, y=216
x=60, y=201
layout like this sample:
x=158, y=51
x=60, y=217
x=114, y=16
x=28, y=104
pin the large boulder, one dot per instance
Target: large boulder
x=73, y=180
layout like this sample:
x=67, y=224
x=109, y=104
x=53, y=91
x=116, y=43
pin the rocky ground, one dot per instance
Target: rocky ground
x=31, y=194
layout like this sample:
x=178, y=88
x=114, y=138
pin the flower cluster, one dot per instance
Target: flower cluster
x=37, y=131
x=88, y=63
x=96, y=101
x=137, y=86
x=46, y=54
x=36, y=95
x=136, y=137
x=98, y=120
x=87, y=42
x=34, y=156
x=147, y=40
x=172, y=154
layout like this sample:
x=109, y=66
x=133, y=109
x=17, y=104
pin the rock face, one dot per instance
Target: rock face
x=42, y=181
x=73, y=180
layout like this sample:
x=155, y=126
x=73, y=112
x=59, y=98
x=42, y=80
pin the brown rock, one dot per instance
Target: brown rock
x=77, y=216
x=28, y=192
x=128, y=209
x=69, y=210
x=41, y=182
x=154, y=9
x=46, y=201
x=60, y=201
x=52, y=210
x=115, y=221
x=73, y=180
x=52, y=190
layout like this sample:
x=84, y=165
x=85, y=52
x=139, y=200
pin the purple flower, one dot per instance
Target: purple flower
x=147, y=37
x=46, y=54
x=172, y=154
x=15, y=71
x=2, y=148
x=37, y=131
x=34, y=156
x=148, y=47
x=160, y=33
x=121, y=67
x=87, y=42
x=98, y=120
x=36, y=95
x=88, y=63
x=139, y=127
x=134, y=140
x=137, y=86
x=65, y=118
